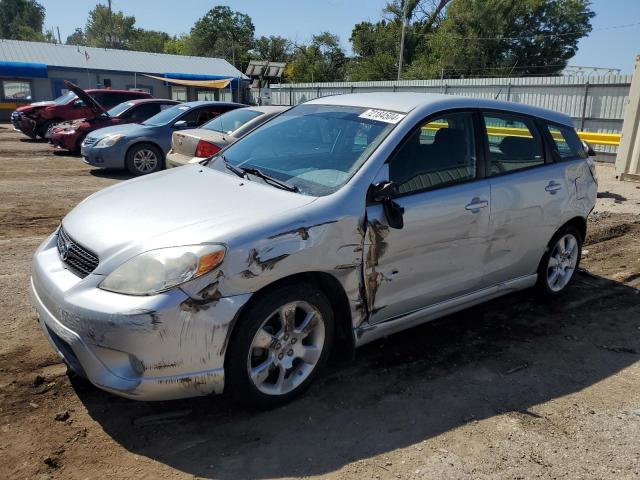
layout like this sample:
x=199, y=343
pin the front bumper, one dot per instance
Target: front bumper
x=111, y=157
x=24, y=124
x=144, y=348
x=64, y=140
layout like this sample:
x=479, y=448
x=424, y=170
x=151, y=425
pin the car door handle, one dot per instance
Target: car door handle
x=553, y=187
x=476, y=204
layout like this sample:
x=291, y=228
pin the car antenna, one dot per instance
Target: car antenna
x=508, y=76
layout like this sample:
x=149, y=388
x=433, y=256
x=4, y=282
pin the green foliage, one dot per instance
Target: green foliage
x=110, y=30
x=273, y=48
x=150, y=41
x=376, y=51
x=323, y=60
x=223, y=33
x=534, y=36
x=176, y=45
x=21, y=20
x=77, y=38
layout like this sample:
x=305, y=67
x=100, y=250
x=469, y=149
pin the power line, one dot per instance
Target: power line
x=529, y=37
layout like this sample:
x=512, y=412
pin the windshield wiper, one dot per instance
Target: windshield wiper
x=269, y=179
x=234, y=169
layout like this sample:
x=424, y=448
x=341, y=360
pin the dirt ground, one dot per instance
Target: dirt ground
x=511, y=389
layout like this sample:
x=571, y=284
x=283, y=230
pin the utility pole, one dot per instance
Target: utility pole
x=404, y=24
x=59, y=39
x=110, y=25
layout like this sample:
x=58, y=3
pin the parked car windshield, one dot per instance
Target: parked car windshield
x=65, y=98
x=119, y=109
x=315, y=148
x=166, y=116
x=231, y=121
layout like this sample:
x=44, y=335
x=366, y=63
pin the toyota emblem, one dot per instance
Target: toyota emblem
x=64, y=251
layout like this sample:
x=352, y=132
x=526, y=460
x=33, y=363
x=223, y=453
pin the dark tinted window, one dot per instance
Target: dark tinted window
x=514, y=143
x=144, y=111
x=197, y=117
x=566, y=142
x=441, y=152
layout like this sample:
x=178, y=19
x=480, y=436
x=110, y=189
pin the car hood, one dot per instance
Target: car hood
x=181, y=206
x=129, y=129
x=34, y=106
x=88, y=100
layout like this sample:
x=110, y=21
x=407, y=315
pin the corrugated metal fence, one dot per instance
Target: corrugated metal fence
x=596, y=104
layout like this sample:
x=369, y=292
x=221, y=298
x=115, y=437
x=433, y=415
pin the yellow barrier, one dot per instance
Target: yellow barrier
x=591, y=137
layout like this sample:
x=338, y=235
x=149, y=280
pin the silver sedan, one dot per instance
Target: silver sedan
x=344, y=219
x=192, y=146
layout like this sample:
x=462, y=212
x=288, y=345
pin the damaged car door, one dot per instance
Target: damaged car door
x=438, y=253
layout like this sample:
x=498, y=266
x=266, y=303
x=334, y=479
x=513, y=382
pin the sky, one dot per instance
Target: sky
x=299, y=19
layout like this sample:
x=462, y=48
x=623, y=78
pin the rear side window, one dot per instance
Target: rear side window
x=566, y=142
x=514, y=143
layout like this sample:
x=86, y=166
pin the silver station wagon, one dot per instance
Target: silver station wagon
x=342, y=220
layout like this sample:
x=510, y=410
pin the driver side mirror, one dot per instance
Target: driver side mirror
x=180, y=124
x=383, y=193
x=78, y=103
x=589, y=149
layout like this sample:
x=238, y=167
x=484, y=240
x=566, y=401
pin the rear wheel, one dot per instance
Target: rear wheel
x=279, y=346
x=144, y=158
x=558, y=265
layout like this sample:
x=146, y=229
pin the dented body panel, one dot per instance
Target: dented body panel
x=173, y=344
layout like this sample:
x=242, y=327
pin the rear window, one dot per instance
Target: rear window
x=231, y=121
x=566, y=141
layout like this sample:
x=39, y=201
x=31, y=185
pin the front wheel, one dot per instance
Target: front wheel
x=279, y=346
x=558, y=265
x=144, y=158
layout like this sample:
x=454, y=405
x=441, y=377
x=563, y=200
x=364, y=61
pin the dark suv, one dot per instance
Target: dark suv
x=34, y=120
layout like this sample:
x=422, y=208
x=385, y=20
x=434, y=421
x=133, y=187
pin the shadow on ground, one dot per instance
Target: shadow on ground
x=505, y=356
x=111, y=173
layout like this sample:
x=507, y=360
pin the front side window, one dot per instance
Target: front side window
x=195, y=118
x=16, y=90
x=514, y=143
x=441, y=152
x=231, y=121
x=315, y=148
x=144, y=111
x=566, y=142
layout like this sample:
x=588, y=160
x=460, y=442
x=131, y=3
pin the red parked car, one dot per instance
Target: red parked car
x=69, y=135
x=34, y=120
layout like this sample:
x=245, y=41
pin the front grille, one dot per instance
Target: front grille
x=75, y=256
x=89, y=141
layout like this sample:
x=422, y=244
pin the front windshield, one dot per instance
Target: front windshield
x=315, y=148
x=231, y=121
x=65, y=98
x=119, y=109
x=166, y=116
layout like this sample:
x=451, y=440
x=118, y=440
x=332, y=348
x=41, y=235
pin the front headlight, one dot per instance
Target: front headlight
x=159, y=270
x=109, y=140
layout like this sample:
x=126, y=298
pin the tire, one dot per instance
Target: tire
x=261, y=344
x=560, y=262
x=144, y=158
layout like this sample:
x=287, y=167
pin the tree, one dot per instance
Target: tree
x=77, y=38
x=500, y=37
x=323, y=60
x=150, y=41
x=272, y=48
x=376, y=46
x=21, y=20
x=224, y=33
x=177, y=45
x=108, y=29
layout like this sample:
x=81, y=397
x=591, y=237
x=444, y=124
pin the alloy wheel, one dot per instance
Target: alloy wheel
x=562, y=262
x=145, y=160
x=286, y=348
